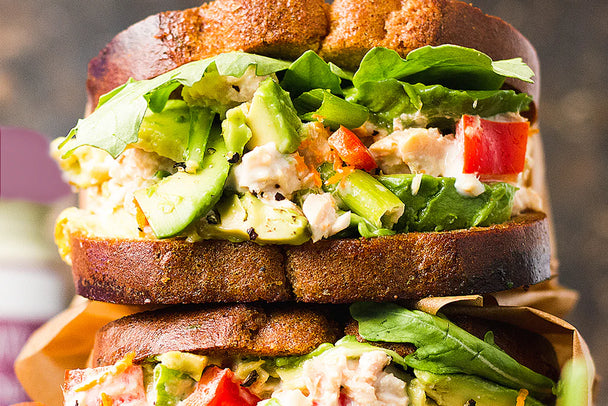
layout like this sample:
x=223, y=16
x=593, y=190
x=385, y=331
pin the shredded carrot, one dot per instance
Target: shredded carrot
x=106, y=400
x=116, y=369
x=340, y=174
x=521, y=397
x=533, y=131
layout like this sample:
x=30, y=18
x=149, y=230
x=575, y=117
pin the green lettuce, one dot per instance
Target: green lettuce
x=437, y=205
x=444, y=348
x=389, y=99
x=453, y=66
x=115, y=123
x=309, y=72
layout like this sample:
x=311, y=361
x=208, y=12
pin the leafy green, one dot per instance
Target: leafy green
x=332, y=110
x=437, y=205
x=450, y=65
x=309, y=72
x=444, y=348
x=115, y=123
x=390, y=99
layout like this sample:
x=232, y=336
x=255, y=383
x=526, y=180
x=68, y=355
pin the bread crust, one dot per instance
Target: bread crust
x=404, y=266
x=164, y=41
x=173, y=271
x=246, y=330
x=341, y=33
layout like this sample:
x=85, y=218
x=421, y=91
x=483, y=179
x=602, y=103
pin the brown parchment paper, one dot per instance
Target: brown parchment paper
x=65, y=341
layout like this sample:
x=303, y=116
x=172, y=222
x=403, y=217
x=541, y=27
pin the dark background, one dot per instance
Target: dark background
x=45, y=47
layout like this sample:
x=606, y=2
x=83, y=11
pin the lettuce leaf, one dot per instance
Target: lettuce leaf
x=452, y=66
x=389, y=99
x=115, y=123
x=437, y=205
x=309, y=72
x=444, y=348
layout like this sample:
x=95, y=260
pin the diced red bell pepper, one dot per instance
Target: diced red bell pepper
x=218, y=387
x=351, y=150
x=491, y=147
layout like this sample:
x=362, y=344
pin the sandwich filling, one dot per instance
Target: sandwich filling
x=248, y=148
x=449, y=367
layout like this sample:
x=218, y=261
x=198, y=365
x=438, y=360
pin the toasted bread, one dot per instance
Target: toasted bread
x=404, y=266
x=234, y=329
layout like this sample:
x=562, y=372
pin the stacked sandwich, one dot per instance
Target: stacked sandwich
x=290, y=175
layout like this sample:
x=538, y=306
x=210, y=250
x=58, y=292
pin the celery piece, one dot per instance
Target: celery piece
x=332, y=110
x=201, y=119
x=367, y=197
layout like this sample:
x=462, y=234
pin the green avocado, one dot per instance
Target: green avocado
x=188, y=363
x=170, y=386
x=249, y=218
x=166, y=133
x=273, y=118
x=437, y=205
x=235, y=130
x=459, y=390
x=172, y=203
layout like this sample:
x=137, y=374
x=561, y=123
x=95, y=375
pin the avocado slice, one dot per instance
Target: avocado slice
x=175, y=201
x=273, y=118
x=170, y=386
x=188, y=363
x=458, y=389
x=166, y=133
x=236, y=132
x=249, y=218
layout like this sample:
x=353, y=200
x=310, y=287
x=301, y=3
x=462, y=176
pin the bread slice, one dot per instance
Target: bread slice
x=341, y=33
x=405, y=266
x=230, y=329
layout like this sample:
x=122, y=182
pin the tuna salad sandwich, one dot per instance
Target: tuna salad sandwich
x=275, y=153
x=291, y=175
x=292, y=356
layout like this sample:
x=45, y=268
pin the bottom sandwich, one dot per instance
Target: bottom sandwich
x=368, y=354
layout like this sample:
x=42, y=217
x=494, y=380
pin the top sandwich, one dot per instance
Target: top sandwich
x=318, y=164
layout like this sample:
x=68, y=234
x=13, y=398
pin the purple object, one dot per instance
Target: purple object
x=27, y=172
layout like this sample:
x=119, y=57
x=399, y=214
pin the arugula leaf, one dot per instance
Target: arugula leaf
x=453, y=66
x=390, y=99
x=115, y=122
x=426, y=209
x=309, y=72
x=444, y=348
x=332, y=110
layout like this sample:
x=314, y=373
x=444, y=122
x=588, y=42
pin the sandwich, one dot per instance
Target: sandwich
x=305, y=156
x=250, y=354
x=284, y=173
